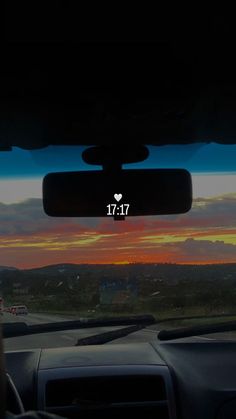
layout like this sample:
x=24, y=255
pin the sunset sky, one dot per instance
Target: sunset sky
x=207, y=234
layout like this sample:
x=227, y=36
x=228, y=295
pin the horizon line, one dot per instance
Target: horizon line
x=120, y=264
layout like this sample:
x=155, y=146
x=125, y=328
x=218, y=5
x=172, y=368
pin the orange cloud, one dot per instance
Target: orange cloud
x=207, y=234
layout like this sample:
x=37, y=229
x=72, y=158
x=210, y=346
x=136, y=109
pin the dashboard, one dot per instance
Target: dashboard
x=181, y=379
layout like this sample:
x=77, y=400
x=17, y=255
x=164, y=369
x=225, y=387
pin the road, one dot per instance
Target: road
x=62, y=338
x=70, y=337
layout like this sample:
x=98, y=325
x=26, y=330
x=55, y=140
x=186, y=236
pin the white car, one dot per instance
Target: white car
x=19, y=310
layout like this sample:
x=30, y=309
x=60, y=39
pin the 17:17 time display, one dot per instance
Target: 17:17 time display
x=114, y=209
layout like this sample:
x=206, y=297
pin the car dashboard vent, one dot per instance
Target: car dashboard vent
x=108, y=396
x=105, y=390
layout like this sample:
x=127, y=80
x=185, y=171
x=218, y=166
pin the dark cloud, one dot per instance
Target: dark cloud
x=28, y=218
x=201, y=251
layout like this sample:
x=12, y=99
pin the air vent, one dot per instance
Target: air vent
x=103, y=391
x=109, y=396
x=107, y=391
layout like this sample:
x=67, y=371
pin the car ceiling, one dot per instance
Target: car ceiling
x=173, y=84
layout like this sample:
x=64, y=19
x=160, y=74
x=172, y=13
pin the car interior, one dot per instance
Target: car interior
x=117, y=211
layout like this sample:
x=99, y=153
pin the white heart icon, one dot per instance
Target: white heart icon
x=118, y=196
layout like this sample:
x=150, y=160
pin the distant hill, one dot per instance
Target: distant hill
x=172, y=271
x=8, y=268
x=55, y=269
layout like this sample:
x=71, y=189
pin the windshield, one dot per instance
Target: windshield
x=54, y=269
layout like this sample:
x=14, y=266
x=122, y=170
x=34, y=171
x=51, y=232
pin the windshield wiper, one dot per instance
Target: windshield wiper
x=105, y=337
x=134, y=324
x=21, y=329
x=101, y=338
x=185, y=332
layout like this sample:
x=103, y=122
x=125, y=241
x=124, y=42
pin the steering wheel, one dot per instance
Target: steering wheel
x=13, y=403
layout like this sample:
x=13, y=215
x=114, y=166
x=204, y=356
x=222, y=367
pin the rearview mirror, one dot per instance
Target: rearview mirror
x=120, y=194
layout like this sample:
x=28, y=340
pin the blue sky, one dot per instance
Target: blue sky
x=197, y=158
